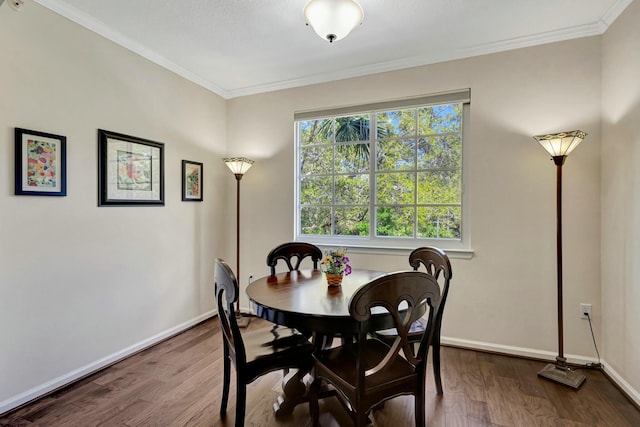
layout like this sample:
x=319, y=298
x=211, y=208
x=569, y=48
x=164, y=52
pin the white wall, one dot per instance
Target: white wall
x=81, y=284
x=621, y=196
x=506, y=294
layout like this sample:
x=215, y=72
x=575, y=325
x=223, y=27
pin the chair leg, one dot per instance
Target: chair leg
x=241, y=401
x=419, y=409
x=436, y=366
x=419, y=403
x=225, y=384
x=314, y=410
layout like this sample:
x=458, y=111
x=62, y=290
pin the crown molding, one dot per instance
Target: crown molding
x=614, y=11
x=432, y=57
x=100, y=28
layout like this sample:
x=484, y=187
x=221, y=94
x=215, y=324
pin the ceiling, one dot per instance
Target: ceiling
x=243, y=47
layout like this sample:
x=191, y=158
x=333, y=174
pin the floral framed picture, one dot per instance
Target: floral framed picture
x=191, y=181
x=130, y=170
x=41, y=163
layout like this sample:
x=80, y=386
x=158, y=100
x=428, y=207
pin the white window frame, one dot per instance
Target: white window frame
x=460, y=248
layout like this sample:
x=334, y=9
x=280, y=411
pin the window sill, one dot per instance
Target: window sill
x=358, y=249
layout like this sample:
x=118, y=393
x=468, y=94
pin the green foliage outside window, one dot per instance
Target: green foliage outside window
x=411, y=189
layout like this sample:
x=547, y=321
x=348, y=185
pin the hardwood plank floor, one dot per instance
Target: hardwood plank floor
x=178, y=383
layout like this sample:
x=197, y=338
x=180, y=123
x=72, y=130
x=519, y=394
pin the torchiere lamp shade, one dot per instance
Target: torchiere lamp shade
x=561, y=144
x=238, y=165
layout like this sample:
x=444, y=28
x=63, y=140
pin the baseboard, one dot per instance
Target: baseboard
x=514, y=351
x=61, y=381
x=624, y=386
x=618, y=381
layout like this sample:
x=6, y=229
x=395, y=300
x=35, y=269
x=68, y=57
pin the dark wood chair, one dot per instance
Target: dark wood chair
x=369, y=371
x=256, y=352
x=437, y=264
x=293, y=252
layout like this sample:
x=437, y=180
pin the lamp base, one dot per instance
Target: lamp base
x=561, y=373
x=242, y=321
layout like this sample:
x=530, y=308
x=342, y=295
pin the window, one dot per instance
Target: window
x=383, y=175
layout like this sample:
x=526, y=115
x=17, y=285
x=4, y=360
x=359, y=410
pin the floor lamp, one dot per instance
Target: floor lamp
x=239, y=166
x=559, y=145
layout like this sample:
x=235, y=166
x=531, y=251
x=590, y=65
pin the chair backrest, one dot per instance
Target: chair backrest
x=437, y=264
x=227, y=291
x=403, y=295
x=293, y=251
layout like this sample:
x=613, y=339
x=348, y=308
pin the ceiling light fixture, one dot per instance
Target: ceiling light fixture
x=333, y=19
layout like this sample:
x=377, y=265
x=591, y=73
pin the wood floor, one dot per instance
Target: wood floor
x=178, y=383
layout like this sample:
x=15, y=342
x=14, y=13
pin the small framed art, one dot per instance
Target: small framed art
x=130, y=170
x=41, y=163
x=191, y=181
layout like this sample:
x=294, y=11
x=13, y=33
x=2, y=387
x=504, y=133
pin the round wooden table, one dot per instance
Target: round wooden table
x=303, y=300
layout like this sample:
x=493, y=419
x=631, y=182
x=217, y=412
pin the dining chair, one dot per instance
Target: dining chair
x=290, y=253
x=436, y=263
x=369, y=371
x=293, y=252
x=255, y=352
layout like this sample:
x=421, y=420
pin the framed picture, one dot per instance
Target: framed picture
x=130, y=170
x=41, y=163
x=191, y=181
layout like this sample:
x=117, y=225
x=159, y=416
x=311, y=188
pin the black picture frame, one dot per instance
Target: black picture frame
x=40, y=163
x=192, y=181
x=130, y=170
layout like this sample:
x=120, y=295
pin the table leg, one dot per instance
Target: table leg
x=294, y=391
x=295, y=384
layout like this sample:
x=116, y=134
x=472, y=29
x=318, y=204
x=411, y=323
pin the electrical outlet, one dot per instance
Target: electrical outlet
x=584, y=310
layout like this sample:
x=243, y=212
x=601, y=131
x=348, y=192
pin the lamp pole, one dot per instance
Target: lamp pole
x=559, y=161
x=239, y=166
x=559, y=146
x=238, y=178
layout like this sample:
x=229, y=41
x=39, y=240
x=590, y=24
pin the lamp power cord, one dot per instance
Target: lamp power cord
x=592, y=365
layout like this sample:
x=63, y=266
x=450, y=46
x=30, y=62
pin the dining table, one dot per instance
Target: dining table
x=302, y=299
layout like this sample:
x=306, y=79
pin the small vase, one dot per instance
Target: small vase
x=334, y=279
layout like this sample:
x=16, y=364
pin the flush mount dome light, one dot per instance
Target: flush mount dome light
x=333, y=19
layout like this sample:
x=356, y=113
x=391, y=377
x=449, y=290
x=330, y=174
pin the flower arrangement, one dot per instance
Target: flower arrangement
x=335, y=261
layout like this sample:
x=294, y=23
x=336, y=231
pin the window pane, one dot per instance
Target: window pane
x=352, y=158
x=440, y=152
x=440, y=119
x=396, y=154
x=439, y=222
x=395, y=188
x=315, y=190
x=316, y=131
x=413, y=186
x=439, y=187
x=316, y=160
x=315, y=220
x=393, y=124
x=352, y=221
x=353, y=128
x=352, y=189
x=394, y=221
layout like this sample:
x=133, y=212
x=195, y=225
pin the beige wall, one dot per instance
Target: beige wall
x=505, y=296
x=80, y=285
x=621, y=197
